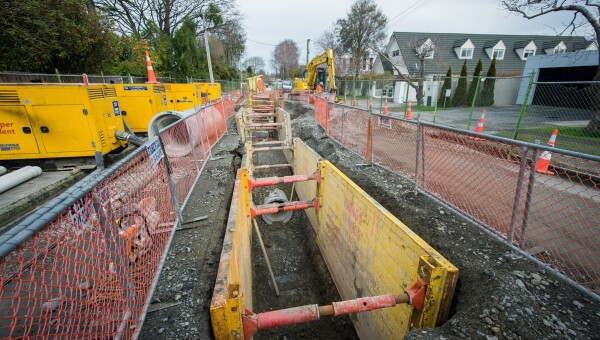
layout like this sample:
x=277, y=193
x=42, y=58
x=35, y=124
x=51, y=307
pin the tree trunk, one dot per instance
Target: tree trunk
x=420, y=91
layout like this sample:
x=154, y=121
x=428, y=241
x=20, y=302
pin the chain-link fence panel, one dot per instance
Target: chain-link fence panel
x=89, y=273
x=560, y=218
x=177, y=145
x=395, y=145
x=572, y=108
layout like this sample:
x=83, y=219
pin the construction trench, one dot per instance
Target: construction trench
x=487, y=302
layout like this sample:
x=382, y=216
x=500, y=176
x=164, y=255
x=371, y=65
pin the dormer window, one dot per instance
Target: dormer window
x=555, y=47
x=495, y=49
x=466, y=53
x=395, y=53
x=528, y=53
x=427, y=49
x=464, y=49
x=525, y=49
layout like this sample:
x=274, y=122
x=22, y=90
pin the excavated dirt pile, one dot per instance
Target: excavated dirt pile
x=500, y=294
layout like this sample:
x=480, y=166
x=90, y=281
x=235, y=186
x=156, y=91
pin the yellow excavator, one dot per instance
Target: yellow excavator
x=310, y=83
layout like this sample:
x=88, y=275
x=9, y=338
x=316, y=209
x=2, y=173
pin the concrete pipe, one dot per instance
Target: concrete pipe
x=277, y=196
x=17, y=177
x=2, y=170
x=181, y=147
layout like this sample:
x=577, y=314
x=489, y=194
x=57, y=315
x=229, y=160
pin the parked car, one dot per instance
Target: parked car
x=287, y=86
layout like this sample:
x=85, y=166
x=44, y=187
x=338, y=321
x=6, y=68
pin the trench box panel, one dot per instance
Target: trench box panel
x=233, y=287
x=305, y=162
x=370, y=252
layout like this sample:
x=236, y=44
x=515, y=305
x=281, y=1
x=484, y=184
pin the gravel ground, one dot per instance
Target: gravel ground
x=500, y=294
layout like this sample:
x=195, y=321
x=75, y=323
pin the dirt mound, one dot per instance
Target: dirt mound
x=500, y=294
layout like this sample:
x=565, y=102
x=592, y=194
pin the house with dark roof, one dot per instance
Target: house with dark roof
x=404, y=50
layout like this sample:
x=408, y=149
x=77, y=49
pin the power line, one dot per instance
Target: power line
x=258, y=42
x=407, y=12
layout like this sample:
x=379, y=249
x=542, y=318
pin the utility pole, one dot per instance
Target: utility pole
x=307, y=50
x=210, y=73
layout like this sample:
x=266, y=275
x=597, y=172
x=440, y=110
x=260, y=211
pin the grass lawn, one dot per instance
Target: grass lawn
x=569, y=138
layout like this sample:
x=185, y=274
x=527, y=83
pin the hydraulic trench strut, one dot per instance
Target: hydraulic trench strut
x=253, y=323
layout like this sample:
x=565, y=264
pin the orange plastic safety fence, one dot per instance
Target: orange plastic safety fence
x=552, y=215
x=89, y=273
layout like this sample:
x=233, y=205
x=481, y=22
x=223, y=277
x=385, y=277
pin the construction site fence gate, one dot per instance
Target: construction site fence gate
x=551, y=217
x=85, y=264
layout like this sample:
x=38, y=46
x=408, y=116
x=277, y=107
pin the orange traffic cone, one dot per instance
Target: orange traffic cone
x=544, y=161
x=385, y=108
x=151, y=75
x=370, y=102
x=409, y=112
x=354, y=101
x=479, y=128
x=345, y=99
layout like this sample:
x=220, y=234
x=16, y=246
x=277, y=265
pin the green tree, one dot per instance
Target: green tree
x=447, y=85
x=362, y=30
x=460, y=94
x=487, y=94
x=69, y=35
x=475, y=80
x=187, y=56
x=131, y=58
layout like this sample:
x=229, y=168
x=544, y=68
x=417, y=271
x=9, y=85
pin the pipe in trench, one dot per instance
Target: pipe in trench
x=17, y=177
x=2, y=170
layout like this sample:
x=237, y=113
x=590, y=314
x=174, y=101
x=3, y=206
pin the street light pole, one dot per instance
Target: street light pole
x=307, y=50
x=210, y=72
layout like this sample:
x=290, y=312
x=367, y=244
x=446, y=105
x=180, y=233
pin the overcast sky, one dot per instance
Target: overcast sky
x=268, y=22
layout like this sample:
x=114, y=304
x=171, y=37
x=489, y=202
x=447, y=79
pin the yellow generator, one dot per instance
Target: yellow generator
x=209, y=91
x=140, y=102
x=182, y=96
x=58, y=122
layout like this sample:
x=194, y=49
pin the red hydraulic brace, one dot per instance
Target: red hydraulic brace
x=270, y=148
x=268, y=209
x=290, y=316
x=270, y=181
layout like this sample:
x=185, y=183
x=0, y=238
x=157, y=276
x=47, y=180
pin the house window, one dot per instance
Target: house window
x=560, y=49
x=498, y=53
x=466, y=53
x=528, y=52
x=395, y=53
x=429, y=53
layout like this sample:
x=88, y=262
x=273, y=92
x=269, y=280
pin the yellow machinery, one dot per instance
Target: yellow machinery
x=140, y=102
x=58, y=121
x=255, y=84
x=209, y=91
x=310, y=82
x=182, y=97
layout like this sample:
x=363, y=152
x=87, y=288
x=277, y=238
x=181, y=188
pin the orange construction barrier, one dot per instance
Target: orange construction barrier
x=385, y=108
x=409, y=112
x=544, y=161
x=151, y=75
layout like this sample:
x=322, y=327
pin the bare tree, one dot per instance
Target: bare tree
x=285, y=56
x=256, y=63
x=424, y=50
x=328, y=39
x=133, y=16
x=585, y=14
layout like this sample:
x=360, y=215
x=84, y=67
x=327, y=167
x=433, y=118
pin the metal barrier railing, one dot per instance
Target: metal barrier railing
x=85, y=264
x=550, y=215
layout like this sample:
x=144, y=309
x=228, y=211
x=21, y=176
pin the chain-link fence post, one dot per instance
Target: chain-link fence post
x=102, y=77
x=342, y=134
x=525, y=103
x=405, y=98
x=170, y=179
x=417, y=147
x=57, y=75
x=370, y=137
x=529, y=196
x=517, y=200
x=473, y=103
